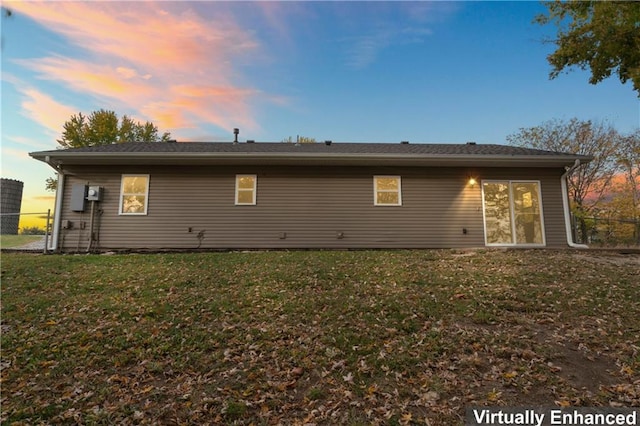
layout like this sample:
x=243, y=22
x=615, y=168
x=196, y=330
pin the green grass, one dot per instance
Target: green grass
x=326, y=337
x=9, y=241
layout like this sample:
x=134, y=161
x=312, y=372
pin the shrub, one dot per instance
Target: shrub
x=32, y=230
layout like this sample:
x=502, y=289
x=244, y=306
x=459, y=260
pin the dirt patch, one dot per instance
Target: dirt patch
x=553, y=359
x=583, y=370
x=574, y=362
x=610, y=258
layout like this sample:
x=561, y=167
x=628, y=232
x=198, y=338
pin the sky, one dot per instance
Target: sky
x=346, y=71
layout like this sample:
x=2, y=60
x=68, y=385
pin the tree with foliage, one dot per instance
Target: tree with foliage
x=589, y=183
x=601, y=35
x=51, y=184
x=103, y=127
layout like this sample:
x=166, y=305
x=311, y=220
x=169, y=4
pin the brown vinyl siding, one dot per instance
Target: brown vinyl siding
x=311, y=205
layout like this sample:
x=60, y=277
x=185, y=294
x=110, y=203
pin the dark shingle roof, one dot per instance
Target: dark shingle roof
x=310, y=148
x=280, y=153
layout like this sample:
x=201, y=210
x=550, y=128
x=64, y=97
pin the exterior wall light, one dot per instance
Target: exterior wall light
x=472, y=182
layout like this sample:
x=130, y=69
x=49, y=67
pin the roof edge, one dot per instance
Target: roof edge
x=58, y=158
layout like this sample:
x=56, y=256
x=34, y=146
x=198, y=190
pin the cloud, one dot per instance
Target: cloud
x=102, y=81
x=44, y=110
x=39, y=107
x=185, y=65
x=430, y=11
x=46, y=198
x=364, y=50
x=28, y=142
x=126, y=72
x=137, y=56
x=15, y=154
x=390, y=24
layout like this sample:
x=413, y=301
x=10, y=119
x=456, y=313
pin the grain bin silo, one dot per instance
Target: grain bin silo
x=10, y=201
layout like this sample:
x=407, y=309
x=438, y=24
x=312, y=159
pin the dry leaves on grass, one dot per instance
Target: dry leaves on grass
x=384, y=337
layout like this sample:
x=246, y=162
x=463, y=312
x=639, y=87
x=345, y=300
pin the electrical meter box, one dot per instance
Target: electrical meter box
x=94, y=193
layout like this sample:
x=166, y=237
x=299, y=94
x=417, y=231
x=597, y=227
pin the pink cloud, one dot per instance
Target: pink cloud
x=126, y=72
x=44, y=110
x=82, y=76
x=15, y=154
x=138, y=55
x=28, y=142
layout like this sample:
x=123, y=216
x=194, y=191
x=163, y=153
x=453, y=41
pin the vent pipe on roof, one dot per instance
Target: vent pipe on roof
x=404, y=142
x=236, y=131
x=327, y=143
x=251, y=141
x=471, y=143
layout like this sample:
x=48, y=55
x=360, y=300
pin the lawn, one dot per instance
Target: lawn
x=315, y=337
x=8, y=241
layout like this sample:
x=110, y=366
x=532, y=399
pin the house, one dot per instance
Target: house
x=157, y=196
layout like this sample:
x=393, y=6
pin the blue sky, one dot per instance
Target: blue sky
x=439, y=72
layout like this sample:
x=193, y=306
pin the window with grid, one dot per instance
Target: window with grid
x=387, y=191
x=134, y=194
x=246, y=189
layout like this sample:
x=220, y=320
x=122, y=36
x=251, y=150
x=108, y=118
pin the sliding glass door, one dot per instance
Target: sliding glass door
x=512, y=213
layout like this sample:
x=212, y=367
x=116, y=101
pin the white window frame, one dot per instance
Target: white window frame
x=123, y=194
x=254, y=190
x=512, y=214
x=375, y=190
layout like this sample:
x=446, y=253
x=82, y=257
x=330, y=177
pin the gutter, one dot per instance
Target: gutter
x=565, y=206
x=55, y=159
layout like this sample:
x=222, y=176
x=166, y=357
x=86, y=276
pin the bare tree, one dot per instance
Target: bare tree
x=629, y=159
x=589, y=183
x=299, y=139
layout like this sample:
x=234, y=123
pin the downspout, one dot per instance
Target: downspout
x=567, y=210
x=57, y=214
